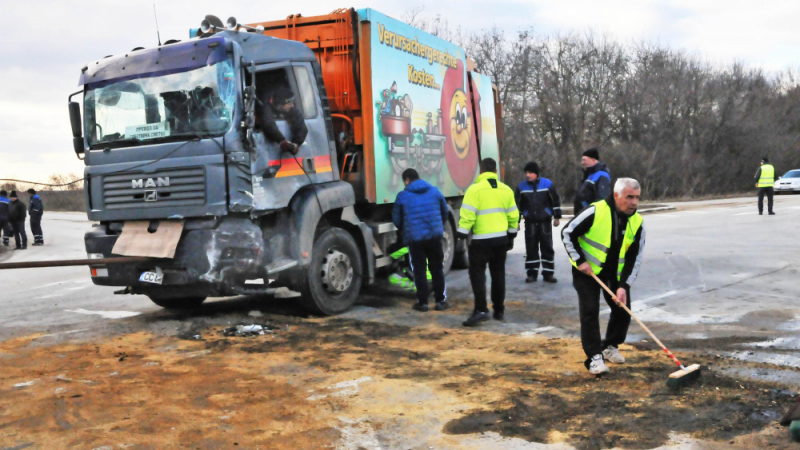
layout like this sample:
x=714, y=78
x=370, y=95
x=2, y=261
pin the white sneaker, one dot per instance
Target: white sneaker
x=597, y=366
x=612, y=354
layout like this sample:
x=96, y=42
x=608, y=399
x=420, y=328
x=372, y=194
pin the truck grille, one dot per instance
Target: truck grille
x=165, y=188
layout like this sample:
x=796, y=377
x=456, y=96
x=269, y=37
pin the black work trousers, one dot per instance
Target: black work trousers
x=428, y=255
x=36, y=229
x=589, y=309
x=18, y=228
x=5, y=231
x=495, y=257
x=539, y=235
x=769, y=192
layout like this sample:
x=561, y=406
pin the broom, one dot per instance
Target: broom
x=676, y=379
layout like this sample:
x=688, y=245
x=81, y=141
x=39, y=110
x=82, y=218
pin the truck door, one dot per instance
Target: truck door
x=278, y=175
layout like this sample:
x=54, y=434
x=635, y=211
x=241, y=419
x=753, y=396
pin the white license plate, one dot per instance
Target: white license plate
x=152, y=277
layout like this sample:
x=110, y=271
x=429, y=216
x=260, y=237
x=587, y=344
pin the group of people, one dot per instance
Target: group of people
x=604, y=240
x=13, y=213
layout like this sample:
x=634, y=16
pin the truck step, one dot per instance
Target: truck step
x=279, y=265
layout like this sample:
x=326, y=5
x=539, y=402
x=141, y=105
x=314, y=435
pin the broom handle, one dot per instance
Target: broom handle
x=625, y=307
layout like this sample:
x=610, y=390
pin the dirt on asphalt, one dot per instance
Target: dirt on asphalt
x=337, y=383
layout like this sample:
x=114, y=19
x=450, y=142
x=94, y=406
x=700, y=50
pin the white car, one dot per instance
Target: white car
x=789, y=183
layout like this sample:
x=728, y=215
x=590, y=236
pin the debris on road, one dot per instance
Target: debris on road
x=246, y=331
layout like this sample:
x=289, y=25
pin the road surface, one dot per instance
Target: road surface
x=718, y=281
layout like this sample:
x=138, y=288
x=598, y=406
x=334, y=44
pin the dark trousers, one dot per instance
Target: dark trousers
x=5, y=230
x=428, y=255
x=539, y=235
x=495, y=257
x=36, y=229
x=18, y=228
x=768, y=191
x=589, y=308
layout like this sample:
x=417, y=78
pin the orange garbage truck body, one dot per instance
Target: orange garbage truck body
x=399, y=98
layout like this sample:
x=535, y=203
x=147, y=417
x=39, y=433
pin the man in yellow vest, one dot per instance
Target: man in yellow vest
x=765, y=180
x=606, y=239
x=490, y=212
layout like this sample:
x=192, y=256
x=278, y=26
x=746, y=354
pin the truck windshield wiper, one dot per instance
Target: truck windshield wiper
x=126, y=141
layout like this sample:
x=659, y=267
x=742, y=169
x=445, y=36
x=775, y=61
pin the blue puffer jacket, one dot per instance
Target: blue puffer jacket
x=420, y=212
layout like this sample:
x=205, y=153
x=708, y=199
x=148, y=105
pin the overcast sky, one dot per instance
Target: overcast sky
x=46, y=44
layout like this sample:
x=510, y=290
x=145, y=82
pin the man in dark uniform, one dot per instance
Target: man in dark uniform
x=539, y=203
x=36, y=210
x=16, y=216
x=596, y=183
x=765, y=180
x=281, y=107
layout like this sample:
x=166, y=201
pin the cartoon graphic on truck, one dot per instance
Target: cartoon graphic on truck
x=230, y=206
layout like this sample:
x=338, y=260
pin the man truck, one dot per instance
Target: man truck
x=173, y=135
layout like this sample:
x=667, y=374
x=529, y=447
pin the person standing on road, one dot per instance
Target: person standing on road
x=596, y=183
x=539, y=203
x=4, y=201
x=16, y=216
x=765, y=180
x=419, y=213
x=36, y=210
x=606, y=239
x=489, y=211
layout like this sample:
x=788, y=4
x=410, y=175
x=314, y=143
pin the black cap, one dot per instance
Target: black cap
x=532, y=167
x=592, y=153
x=282, y=96
x=31, y=191
x=3, y=193
x=765, y=159
x=13, y=194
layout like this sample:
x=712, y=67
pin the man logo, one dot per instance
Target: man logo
x=149, y=182
x=151, y=196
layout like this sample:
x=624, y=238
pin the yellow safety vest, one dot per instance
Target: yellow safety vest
x=596, y=242
x=767, y=178
x=490, y=212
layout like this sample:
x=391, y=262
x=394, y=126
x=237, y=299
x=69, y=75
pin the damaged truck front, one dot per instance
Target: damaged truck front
x=178, y=168
x=170, y=139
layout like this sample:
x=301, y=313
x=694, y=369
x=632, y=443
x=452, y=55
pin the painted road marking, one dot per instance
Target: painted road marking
x=645, y=300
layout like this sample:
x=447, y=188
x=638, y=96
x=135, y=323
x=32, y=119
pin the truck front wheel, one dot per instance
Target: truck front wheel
x=331, y=282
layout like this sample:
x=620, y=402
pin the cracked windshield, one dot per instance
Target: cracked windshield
x=196, y=102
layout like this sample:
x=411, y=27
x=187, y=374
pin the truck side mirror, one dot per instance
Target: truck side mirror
x=77, y=125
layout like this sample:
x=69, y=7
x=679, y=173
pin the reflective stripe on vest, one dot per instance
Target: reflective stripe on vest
x=767, y=178
x=596, y=242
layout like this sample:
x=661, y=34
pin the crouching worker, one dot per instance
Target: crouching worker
x=419, y=214
x=606, y=239
x=402, y=275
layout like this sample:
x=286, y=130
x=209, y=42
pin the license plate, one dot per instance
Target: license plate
x=156, y=277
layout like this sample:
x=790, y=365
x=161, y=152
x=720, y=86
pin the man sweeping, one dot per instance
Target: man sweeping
x=606, y=239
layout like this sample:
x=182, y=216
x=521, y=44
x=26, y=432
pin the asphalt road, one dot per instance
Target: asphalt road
x=713, y=270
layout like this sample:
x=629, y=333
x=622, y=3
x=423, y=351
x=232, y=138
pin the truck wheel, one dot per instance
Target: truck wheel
x=449, y=244
x=331, y=282
x=170, y=302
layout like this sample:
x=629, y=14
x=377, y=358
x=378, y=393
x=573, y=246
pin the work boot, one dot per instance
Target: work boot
x=597, y=366
x=499, y=315
x=549, y=279
x=612, y=354
x=476, y=318
x=530, y=279
x=421, y=307
x=771, y=213
x=441, y=306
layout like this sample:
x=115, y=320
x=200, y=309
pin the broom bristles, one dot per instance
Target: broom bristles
x=684, y=377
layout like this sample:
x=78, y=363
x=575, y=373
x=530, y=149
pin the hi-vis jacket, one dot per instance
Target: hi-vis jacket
x=489, y=210
x=765, y=176
x=612, y=243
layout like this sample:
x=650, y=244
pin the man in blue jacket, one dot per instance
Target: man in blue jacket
x=539, y=203
x=420, y=212
x=4, y=217
x=36, y=210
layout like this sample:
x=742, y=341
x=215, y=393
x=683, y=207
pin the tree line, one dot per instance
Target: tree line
x=682, y=126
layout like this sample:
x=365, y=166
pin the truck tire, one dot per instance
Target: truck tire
x=449, y=244
x=172, y=302
x=331, y=282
